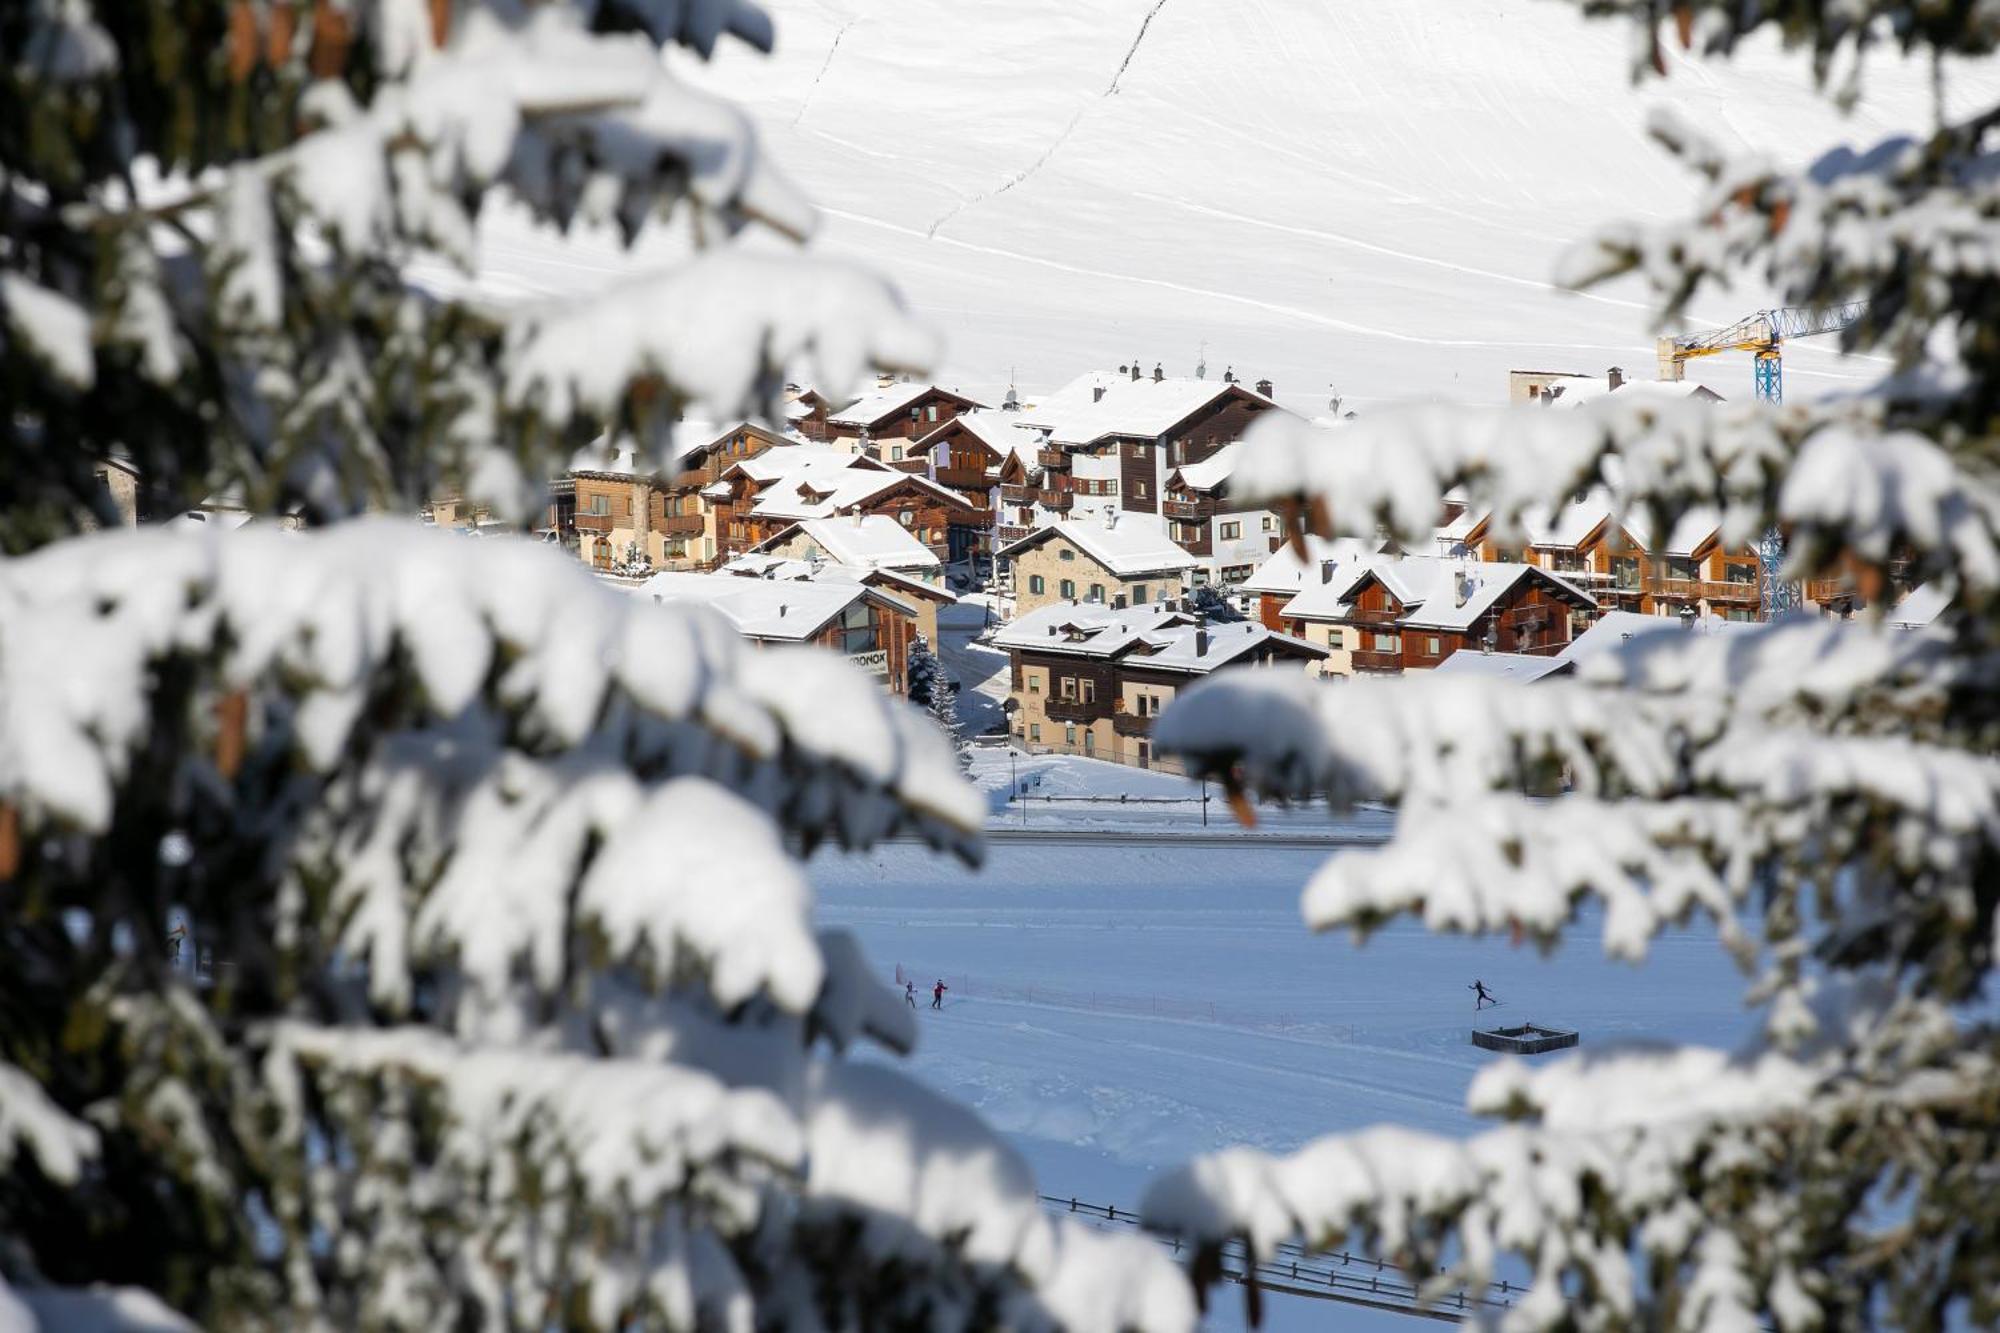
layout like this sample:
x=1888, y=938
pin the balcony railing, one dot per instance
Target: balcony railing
x=1188, y=511
x=1055, y=499
x=1131, y=724
x=1018, y=495
x=593, y=522
x=1055, y=458
x=680, y=525
x=910, y=464
x=1010, y=532
x=1368, y=659
x=1074, y=710
x=1361, y=616
x=1713, y=590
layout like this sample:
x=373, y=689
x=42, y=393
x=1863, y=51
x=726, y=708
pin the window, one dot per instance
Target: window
x=895, y=453
x=1089, y=742
x=1138, y=490
x=1145, y=754
x=1740, y=572
x=1097, y=592
x=907, y=518
x=1034, y=731
x=599, y=504
x=858, y=629
x=1680, y=567
x=1087, y=685
x=1036, y=585
x=1336, y=639
x=1067, y=588
x=1431, y=647
x=933, y=412
x=1231, y=531
x=1066, y=688
x=1388, y=643
x=1270, y=523
x=1034, y=679
x=1069, y=733
x=1064, y=553
x=1138, y=594
x=1625, y=571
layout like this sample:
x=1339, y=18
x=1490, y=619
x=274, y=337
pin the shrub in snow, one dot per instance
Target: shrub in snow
x=499, y=1001
x=1825, y=793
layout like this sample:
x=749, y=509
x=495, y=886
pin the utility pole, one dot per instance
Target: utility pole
x=1204, y=802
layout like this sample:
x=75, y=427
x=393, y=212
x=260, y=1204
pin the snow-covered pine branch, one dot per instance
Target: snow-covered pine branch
x=516, y=1002
x=244, y=297
x=1825, y=793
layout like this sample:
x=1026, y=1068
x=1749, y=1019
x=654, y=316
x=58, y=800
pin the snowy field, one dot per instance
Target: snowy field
x=1368, y=198
x=1116, y=1009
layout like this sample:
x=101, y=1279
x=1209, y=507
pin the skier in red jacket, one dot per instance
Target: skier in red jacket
x=937, y=994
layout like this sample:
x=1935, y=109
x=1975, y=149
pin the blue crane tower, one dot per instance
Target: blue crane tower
x=1763, y=335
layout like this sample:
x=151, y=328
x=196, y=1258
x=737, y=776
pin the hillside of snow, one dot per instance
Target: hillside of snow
x=1362, y=198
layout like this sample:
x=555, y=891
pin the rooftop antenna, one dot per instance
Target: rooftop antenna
x=1201, y=362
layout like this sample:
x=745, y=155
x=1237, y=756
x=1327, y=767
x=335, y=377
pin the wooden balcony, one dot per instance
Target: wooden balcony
x=593, y=522
x=916, y=465
x=1189, y=511
x=1005, y=533
x=1364, y=617
x=1074, y=710
x=1131, y=724
x=1055, y=458
x=964, y=479
x=1711, y=590
x=1057, y=500
x=1018, y=495
x=679, y=525
x=1368, y=659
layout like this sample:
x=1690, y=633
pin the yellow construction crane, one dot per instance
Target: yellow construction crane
x=1762, y=335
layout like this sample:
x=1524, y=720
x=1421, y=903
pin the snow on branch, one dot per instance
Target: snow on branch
x=1836, y=485
x=59, y=1143
x=497, y=624
x=717, y=331
x=1680, y=1164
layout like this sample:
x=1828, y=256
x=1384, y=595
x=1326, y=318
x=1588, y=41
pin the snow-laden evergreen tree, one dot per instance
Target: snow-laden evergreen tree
x=515, y=1015
x=944, y=712
x=1826, y=794
x=925, y=672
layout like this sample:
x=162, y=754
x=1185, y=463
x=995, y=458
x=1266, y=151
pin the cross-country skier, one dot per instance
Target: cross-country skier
x=1481, y=996
x=937, y=994
x=910, y=993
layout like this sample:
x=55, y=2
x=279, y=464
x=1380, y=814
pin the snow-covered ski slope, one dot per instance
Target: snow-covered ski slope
x=1370, y=195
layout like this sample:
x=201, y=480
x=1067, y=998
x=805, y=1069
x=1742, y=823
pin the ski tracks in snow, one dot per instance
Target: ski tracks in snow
x=806, y=101
x=1111, y=90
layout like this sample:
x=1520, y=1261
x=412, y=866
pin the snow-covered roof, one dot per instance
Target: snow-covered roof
x=1693, y=529
x=787, y=568
x=774, y=463
x=1616, y=628
x=761, y=609
x=1210, y=472
x=1143, y=407
x=1125, y=547
x=871, y=408
x=1285, y=572
x=1002, y=432
x=872, y=541
x=1437, y=592
x=1576, y=390
x=1505, y=666
x=1161, y=639
x=1920, y=606
x=837, y=489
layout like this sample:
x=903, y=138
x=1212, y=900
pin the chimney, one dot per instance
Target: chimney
x=1229, y=375
x=1124, y=369
x=1615, y=378
x=1117, y=603
x=1200, y=634
x=1264, y=387
x=1012, y=402
x=1097, y=394
x=1158, y=374
x=1135, y=370
x=1326, y=571
x=781, y=610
